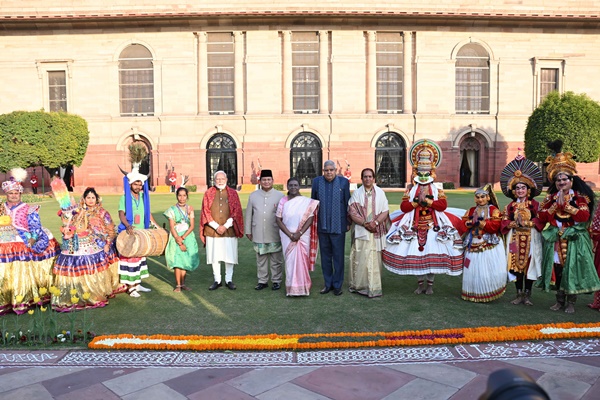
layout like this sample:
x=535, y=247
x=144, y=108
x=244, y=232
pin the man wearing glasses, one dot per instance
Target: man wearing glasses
x=333, y=193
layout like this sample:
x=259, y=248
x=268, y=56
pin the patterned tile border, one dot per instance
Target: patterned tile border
x=379, y=356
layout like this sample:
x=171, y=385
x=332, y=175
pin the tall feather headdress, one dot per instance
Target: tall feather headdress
x=521, y=170
x=62, y=195
x=560, y=162
x=137, y=154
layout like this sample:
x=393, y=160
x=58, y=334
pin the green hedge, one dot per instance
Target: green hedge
x=448, y=185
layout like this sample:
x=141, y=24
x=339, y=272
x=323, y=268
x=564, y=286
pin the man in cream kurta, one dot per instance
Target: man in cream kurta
x=262, y=230
x=368, y=208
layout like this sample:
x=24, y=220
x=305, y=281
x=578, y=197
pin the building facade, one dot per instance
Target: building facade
x=245, y=85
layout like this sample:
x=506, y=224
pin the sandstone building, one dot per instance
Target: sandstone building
x=241, y=84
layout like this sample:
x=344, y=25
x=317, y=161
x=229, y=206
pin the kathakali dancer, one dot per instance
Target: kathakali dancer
x=521, y=181
x=567, y=265
x=425, y=241
x=484, y=272
x=88, y=262
x=27, y=250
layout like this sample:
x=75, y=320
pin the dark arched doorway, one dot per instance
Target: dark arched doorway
x=469, y=162
x=390, y=161
x=221, y=155
x=306, y=157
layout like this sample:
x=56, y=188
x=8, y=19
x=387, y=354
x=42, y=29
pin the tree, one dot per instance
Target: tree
x=572, y=118
x=51, y=139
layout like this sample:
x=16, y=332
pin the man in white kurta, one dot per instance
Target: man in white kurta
x=261, y=229
x=221, y=224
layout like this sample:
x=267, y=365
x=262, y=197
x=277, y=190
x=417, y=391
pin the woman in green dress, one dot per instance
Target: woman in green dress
x=182, y=249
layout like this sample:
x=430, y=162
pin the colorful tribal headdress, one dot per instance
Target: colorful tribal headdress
x=425, y=156
x=62, y=195
x=14, y=183
x=560, y=162
x=521, y=170
x=137, y=154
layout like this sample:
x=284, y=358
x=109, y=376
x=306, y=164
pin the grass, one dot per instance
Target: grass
x=247, y=311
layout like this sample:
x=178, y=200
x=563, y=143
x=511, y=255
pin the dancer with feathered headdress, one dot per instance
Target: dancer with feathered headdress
x=484, y=272
x=134, y=213
x=27, y=250
x=521, y=181
x=88, y=262
x=567, y=265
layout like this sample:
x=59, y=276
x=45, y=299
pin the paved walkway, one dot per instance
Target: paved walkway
x=566, y=369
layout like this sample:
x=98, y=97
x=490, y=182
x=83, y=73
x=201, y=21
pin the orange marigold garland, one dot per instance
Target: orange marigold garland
x=382, y=339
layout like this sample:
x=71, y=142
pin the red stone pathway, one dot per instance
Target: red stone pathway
x=566, y=369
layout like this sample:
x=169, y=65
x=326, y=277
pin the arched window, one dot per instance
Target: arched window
x=221, y=156
x=136, y=81
x=472, y=80
x=390, y=161
x=469, y=162
x=306, y=157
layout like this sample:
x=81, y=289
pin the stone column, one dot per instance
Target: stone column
x=371, y=72
x=323, y=72
x=202, y=73
x=407, y=89
x=238, y=80
x=287, y=86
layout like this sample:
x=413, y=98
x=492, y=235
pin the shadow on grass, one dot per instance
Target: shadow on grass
x=247, y=311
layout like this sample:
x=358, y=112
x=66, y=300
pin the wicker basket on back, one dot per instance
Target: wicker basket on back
x=142, y=243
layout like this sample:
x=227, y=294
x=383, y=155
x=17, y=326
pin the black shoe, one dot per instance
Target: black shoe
x=325, y=290
x=276, y=286
x=337, y=292
x=261, y=286
x=215, y=285
x=231, y=286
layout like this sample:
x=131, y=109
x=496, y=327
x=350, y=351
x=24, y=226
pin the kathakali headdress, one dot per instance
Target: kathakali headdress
x=18, y=175
x=425, y=156
x=560, y=162
x=521, y=170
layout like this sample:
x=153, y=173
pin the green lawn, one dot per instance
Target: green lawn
x=247, y=311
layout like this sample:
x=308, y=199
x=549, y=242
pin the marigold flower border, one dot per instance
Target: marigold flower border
x=275, y=341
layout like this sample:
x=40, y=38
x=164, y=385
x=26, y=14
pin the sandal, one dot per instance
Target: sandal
x=133, y=292
x=177, y=288
x=183, y=287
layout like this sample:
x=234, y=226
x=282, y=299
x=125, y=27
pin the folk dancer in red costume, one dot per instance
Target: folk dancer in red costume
x=568, y=265
x=484, y=272
x=521, y=181
x=425, y=241
x=595, y=233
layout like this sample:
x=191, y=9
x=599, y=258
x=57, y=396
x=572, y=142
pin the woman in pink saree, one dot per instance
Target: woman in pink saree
x=297, y=221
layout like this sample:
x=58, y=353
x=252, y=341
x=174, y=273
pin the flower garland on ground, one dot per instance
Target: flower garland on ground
x=371, y=339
